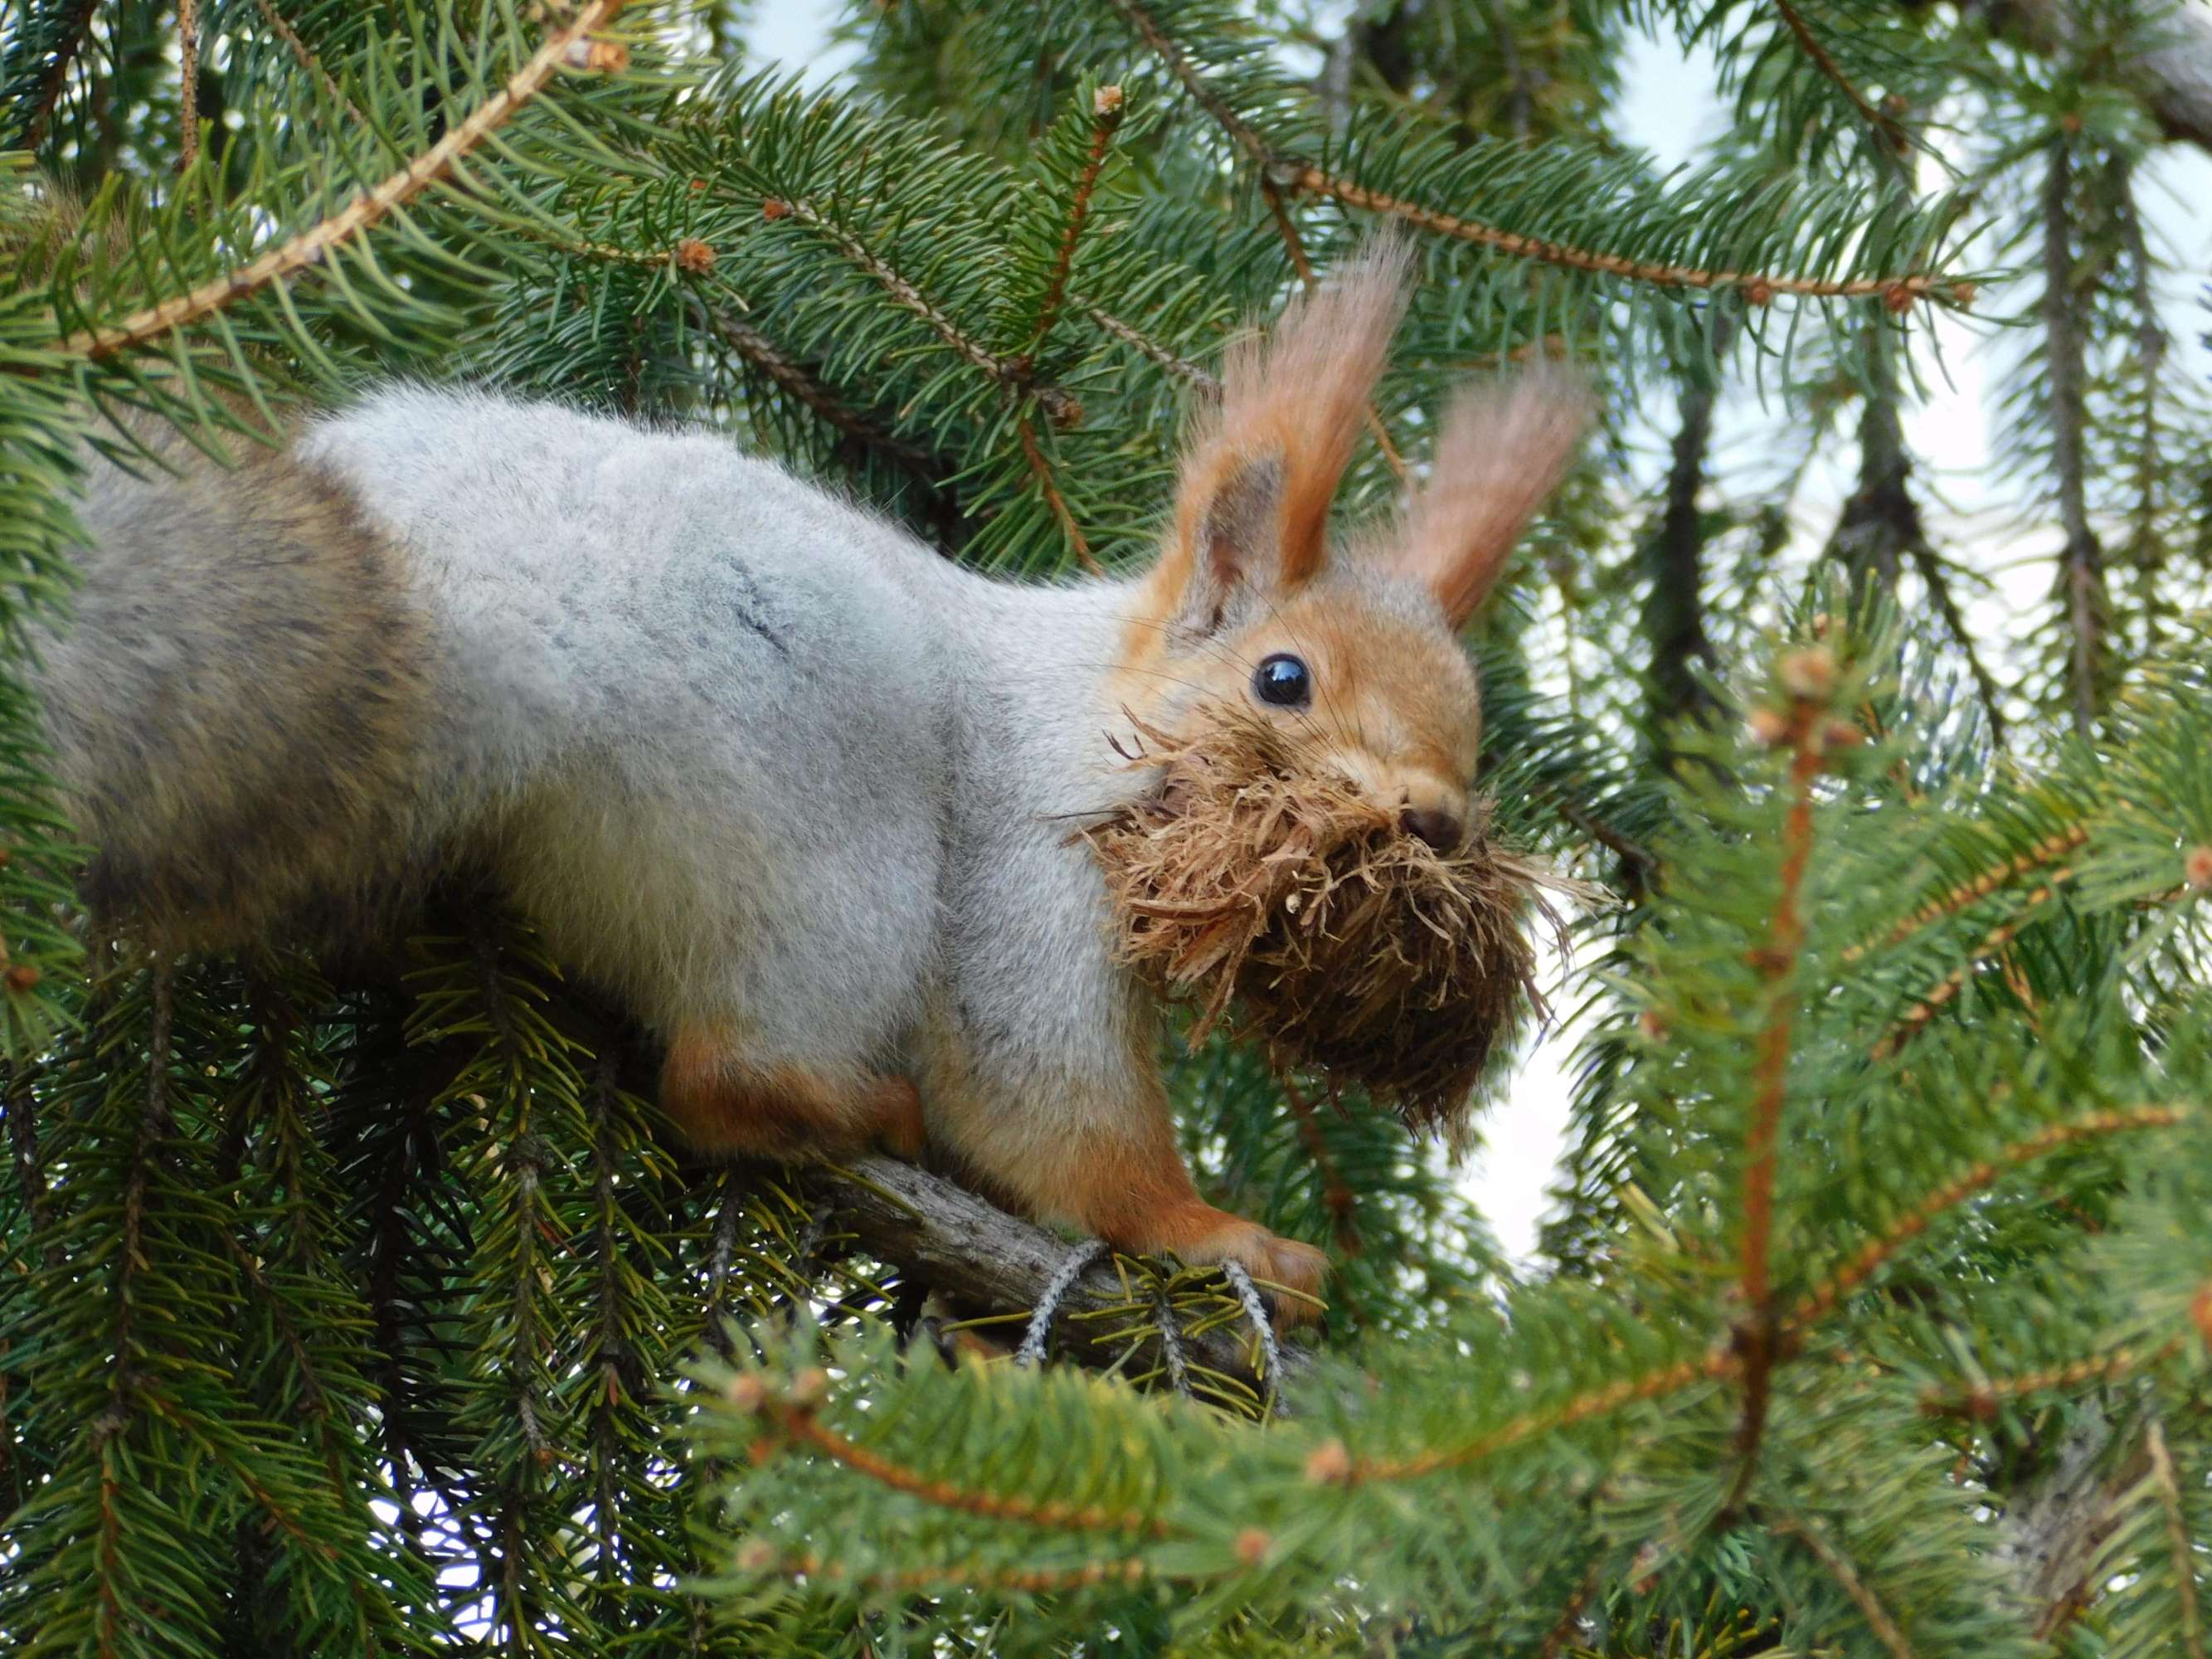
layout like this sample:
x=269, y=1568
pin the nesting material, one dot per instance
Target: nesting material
x=1285, y=903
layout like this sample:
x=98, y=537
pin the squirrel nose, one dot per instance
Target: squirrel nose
x=1437, y=828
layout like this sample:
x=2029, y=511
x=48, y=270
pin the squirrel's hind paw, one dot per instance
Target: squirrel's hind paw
x=1291, y=1273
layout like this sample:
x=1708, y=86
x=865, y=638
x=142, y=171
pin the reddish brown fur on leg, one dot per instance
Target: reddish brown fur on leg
x=1139, y=1197
x=726, y=1105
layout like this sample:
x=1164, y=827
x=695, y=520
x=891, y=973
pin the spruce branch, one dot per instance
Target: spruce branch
x=2182, y=1548
x=1640, y=860
x=311, y=246
x=804, y=387
x=124, y=1392
x=1886, y=126
x=722, y=1258
x=795, y=1417
x=949, y=1237
x=1182, y=367
x=1279, y=172
x=188, y=114
x=1061, y=406
x=2167, y=65
x=1878, y=1617
x=1106, y=120
x=1337, y=1196
x=1041, y=470
x=301, y=56
x=1027, y=1581
x=76, y=24
x=1569, y=1624
x=1870, y=1257
x=1898, y=293
x=30, y=1169
x=1981, y=1398
x=1915, y=1019
x=2051, y=849
x=1718, y=1361
x=1164, y=46
x=158, y=1404
x=2087, y=605
x=1757, y=1337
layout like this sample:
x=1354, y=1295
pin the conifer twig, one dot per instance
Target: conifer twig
x=1106, y=120
x=1563, y=1629
x=75, y=26
x=2051, y=846
x=155, y=1124
x=2184, y=1551
x=1632, y=852
x=1916, y=1018
x=1878, y=1617
x=1858, y=1268
x=2082, y=562
x=1897, y=292
x=1716, y=1362
x=1336, y=1196
x=1029, y=1581
x=763, y=354
x=1285, y=172
x=1059, y=405
x=30, y=1172
x=310, y=246
x=1181, y=368
x=798, y=1422
x=1042, y=469
x=939, y=1232
x=1758, y=1336
x=1981, y=1398
x=188, y=79
x=305, y=59
x=1886, y=125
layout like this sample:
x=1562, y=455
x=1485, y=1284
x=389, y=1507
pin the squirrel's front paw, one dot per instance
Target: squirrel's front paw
x=1202, y=1234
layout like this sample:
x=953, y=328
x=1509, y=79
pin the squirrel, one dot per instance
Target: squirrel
x=790, y=785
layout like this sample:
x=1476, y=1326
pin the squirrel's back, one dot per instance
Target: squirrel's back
x=442, y=624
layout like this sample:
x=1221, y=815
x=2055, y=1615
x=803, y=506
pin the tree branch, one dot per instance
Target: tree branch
x=2169, y=66
x=960, y=1245
x=2082, y=562
x=1673, y=610
x=312, y=245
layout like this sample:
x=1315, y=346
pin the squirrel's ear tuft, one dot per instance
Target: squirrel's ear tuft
x=1261, y=471
x=1501, y=450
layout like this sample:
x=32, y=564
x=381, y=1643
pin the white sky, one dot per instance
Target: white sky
x=1672, y=108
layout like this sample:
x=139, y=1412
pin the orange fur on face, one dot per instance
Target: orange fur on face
x=1395, y=710
x=1247, y=572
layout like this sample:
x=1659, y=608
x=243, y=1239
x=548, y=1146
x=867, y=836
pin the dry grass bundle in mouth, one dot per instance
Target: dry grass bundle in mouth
x=1290, y=904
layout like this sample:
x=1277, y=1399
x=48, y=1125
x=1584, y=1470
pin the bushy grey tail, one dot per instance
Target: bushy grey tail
x=236, y=711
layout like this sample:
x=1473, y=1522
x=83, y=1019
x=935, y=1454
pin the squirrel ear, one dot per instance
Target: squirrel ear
x=1261, y=472
x=1501, y=450
x=1234, y=542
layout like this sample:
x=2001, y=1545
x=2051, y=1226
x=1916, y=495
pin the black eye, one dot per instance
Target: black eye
x=1283, y=680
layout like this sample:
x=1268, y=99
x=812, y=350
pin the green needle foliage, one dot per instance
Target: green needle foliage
x=363, y=1305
